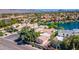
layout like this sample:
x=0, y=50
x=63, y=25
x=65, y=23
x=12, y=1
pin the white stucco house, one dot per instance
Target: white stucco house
x=65, y=33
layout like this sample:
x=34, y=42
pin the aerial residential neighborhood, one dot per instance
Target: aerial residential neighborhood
x=37, y=29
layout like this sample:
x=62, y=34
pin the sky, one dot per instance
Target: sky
x=39, y=4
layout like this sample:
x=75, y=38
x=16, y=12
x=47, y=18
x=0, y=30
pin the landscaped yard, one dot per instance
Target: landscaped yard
x=1, y=33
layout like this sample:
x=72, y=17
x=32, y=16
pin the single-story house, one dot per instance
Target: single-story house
x=65, y=33
x=44, y=37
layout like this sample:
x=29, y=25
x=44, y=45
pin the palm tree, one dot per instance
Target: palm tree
x=54, y=41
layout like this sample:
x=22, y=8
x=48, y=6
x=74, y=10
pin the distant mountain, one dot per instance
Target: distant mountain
x=36, y=10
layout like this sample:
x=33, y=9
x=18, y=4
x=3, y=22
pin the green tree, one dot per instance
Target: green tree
x=71, y=42
x=53, y=25
x=28, y=35
x=4, y=23
x=1, y=33
x=13, y=21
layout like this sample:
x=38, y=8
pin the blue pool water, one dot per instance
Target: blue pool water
x=70, y=25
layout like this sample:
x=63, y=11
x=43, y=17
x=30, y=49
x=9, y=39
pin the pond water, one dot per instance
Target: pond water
x=70, y=25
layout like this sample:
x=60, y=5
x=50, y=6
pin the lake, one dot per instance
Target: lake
x=70, y=25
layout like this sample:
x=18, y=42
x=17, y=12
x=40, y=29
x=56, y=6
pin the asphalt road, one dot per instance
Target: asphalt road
x=8, y=43
x=11, y=37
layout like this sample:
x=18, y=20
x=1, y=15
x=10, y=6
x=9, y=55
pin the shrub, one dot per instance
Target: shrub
x=1, y=33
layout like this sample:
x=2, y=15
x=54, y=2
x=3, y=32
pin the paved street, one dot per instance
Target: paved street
x=11, y=37
x=8, y=43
